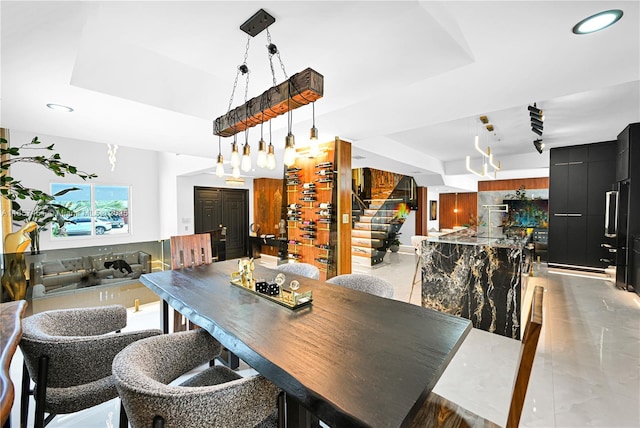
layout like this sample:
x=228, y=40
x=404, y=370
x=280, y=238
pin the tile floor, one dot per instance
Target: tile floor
x=586, y=371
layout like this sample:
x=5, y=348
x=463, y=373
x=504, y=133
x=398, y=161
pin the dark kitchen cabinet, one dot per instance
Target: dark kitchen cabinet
x=579, y=176
x=628, y=185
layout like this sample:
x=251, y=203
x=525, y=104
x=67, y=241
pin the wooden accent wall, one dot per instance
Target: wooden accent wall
x=467, y=206
x=514, y=184
x=422, y=215
x=267, y=207
x=343, y=166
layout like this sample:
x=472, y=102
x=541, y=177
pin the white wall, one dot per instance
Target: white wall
x=135, y=168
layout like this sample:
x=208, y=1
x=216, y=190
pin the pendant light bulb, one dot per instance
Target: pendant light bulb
x=290, y=150
x=246, y=157
x=235, y=156
x=219, y=167
x=314, y=146
x=261, y=161
x=235, y=172
x=271, y=158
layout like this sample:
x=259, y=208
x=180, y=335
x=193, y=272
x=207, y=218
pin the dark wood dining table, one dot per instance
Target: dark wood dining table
x=11, y=314
x=349, y=358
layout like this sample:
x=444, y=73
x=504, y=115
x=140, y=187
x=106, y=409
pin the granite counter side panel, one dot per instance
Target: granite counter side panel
x=478, y=282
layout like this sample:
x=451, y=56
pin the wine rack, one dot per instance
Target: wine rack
x=311, y=220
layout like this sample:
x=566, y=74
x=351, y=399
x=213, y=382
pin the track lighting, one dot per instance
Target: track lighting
x=539, y=145
x=537, y=118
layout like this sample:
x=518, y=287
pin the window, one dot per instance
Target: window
x=97, y=209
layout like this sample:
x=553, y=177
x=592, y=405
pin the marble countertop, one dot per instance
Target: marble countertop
x=465, y=239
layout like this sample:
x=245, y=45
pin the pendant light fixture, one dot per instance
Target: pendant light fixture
x=235, y=156
x=290, y=140
x=302, y=88
x=246, y=157
x=261, y=161
x=219, y=166
x=314, y=147
x=271, y=157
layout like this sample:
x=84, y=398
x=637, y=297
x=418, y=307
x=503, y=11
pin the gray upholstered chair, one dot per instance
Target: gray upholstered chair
x=68, y=353
x=302, y=269
x=215, y=397
x=367, y=283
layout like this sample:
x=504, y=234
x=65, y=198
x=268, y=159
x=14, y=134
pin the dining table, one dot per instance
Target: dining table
x=347, y=358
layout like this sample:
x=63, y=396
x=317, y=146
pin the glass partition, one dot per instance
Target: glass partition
x=87, y=276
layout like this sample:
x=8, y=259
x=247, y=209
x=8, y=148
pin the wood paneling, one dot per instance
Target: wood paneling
x=267, y=208
x=422, y=215
x=528, y=183
x=466, y=205
x=343, y=247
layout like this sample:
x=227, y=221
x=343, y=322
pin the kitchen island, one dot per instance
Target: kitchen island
x=480, y=279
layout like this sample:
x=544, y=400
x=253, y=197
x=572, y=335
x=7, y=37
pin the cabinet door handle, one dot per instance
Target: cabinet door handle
x=576, y=163
x=560, y=215
x=561, y=163
x=573, y=215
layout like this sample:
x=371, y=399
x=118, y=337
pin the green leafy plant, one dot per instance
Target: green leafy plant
x=45, y=211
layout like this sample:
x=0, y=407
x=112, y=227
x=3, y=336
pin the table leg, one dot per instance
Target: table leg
x=164, y=322
x=297, y=416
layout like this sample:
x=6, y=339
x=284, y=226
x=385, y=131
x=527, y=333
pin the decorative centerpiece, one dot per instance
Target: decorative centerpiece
x=276, y=290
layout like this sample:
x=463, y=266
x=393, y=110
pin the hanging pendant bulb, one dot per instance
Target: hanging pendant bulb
x=290, y=140
x=290, y=150
x=271, y=158
x=235, y=156
x=235, y=172
x=219, y=167
x=314, y=146
x=246, y=157
x=261, y=161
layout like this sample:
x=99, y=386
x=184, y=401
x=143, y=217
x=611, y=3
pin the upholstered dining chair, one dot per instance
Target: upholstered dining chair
x=437, y=411
x=303, y=269
x=216, y=397
x=367, y=283
x=68, y=354
x=189, y=251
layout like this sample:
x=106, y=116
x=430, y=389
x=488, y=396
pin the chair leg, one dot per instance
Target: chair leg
x=41, y=391
x=24, y=398
x=414, y=279
x=124, y=420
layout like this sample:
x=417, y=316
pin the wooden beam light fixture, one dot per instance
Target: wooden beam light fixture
x=300, y=89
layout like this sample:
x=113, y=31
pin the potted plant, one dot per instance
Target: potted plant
x=45, y=211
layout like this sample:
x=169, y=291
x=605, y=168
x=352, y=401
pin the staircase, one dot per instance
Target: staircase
x=371, y=230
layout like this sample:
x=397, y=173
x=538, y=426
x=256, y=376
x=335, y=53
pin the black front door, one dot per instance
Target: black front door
x=226, y=209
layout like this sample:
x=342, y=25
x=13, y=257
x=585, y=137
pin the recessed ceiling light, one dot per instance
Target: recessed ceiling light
x=597, y=22
x=60, y=107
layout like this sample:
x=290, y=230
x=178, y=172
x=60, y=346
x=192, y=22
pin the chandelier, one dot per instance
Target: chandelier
x=487, y=157
x=296, y=91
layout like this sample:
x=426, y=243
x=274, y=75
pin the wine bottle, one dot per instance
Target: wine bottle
x=325, y=205
x=295, y=206
x=308, y=186
x=324, y=165
x=324, y=172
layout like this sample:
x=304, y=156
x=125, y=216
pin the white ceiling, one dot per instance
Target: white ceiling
x=405, y=81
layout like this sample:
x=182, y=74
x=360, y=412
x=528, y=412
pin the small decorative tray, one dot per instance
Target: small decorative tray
x=282, y=295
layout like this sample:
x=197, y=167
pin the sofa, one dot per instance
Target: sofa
x=87, y=271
